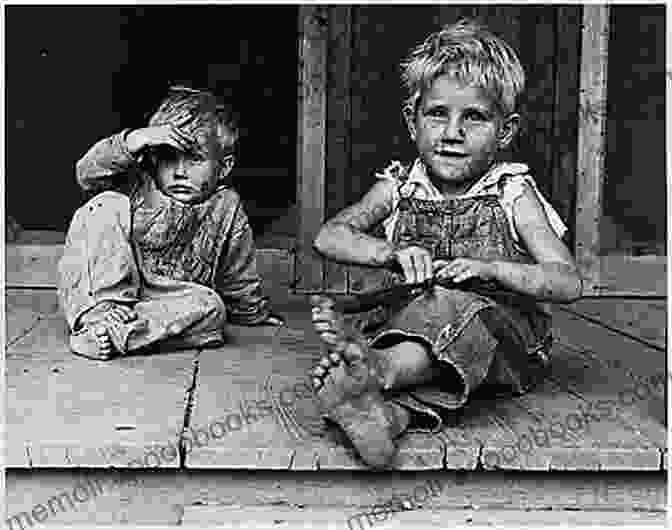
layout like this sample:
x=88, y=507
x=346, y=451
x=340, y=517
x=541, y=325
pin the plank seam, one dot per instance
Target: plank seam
x=613, y=329
x=191, y=391
x=618, y=419
x=27, y=332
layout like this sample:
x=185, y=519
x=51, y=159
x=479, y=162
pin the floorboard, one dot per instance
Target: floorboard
x=87, y=406
x=67, y=411
x=645, y=320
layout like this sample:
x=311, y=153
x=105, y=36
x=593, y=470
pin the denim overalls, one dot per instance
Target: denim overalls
x=497, y=342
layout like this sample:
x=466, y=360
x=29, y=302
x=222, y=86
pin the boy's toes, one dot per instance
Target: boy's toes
x=335, y=358
x=325, y=363
x=320, y=371
x=123, y=313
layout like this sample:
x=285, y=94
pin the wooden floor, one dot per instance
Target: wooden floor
x=65, y=411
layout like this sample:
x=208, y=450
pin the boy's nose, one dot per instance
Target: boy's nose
x=180, y=170
x=453, y=130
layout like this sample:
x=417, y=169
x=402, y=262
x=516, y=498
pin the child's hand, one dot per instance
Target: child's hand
x=164, y=134
x=416, y=263
x=461, y=269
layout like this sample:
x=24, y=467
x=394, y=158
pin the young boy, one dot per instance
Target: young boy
x=456, y=216
x=163, y=254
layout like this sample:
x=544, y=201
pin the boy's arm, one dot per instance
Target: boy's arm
x=237, y=280
x=112, y=162
x=107, y=165
x=343, y=237
x=555, y=277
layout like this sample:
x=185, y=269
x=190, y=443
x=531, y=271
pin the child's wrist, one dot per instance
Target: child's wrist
x=388, y=255
x=133, y=141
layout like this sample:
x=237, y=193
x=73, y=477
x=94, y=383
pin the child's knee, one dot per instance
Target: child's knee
x=108, y=204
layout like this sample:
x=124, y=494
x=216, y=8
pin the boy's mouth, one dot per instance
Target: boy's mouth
x=178, y=188
x=451, y=154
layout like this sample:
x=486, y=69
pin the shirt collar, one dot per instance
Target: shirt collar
x=418, y=176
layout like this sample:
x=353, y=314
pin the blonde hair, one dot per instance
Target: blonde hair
x=208, y=115
x=470, y=53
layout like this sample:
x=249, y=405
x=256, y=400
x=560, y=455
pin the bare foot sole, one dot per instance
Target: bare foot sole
x=104, y=330
x=347, y=384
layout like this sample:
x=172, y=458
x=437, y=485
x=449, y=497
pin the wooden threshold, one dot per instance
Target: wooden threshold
x=172, y=497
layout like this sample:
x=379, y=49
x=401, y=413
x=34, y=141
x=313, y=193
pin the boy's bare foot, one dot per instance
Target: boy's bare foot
x=347, y=383
x=103, y=330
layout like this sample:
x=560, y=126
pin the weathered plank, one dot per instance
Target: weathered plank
x=633, y=437
x=32, y=265
x=338, y=116
x=269, y=517
x=265, y=368
x=312, y=122
x=618, y=372
x=35, y=265
x=44, y=302
x=161, y=495
x=616, y=490
x=335, y=277
x=103, y=497
x=565, y=126
x=645, y=320
x=592, y=140
x=622, y=276
x=97, y=413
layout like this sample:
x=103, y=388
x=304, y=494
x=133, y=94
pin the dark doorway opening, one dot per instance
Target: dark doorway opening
x=76, y=74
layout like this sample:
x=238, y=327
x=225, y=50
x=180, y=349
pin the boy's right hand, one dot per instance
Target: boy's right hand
x=416, y=263
x=164, y=134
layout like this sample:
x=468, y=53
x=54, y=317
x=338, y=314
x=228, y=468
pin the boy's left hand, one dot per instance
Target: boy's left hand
x=461, y=269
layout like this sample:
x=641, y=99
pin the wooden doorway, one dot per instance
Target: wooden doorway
x=621, y=194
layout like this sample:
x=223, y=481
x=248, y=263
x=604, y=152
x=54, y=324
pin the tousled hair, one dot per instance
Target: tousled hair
x=473, y=55
x=208, y=116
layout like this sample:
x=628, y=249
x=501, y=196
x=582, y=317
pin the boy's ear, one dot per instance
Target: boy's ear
x=227, y=164
x=508, y=130
x=409, y=118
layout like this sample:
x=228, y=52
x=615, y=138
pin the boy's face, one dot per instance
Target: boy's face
x=191, y=177
x=458, y=130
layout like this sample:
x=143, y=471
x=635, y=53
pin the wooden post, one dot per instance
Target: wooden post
x=565, y=130
x=339, y=130
x=592, y=141
x=313, y=21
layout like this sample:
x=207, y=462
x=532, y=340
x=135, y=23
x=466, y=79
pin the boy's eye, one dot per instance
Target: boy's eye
x=475, y=115
x=436, y=113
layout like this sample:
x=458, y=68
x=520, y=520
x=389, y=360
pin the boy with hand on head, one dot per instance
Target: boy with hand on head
x=477, y=233
x=164, y=253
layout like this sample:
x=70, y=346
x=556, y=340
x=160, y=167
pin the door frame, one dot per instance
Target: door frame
x=642, y=276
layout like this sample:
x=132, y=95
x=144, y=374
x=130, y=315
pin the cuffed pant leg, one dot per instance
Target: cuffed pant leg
x=179, y=315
